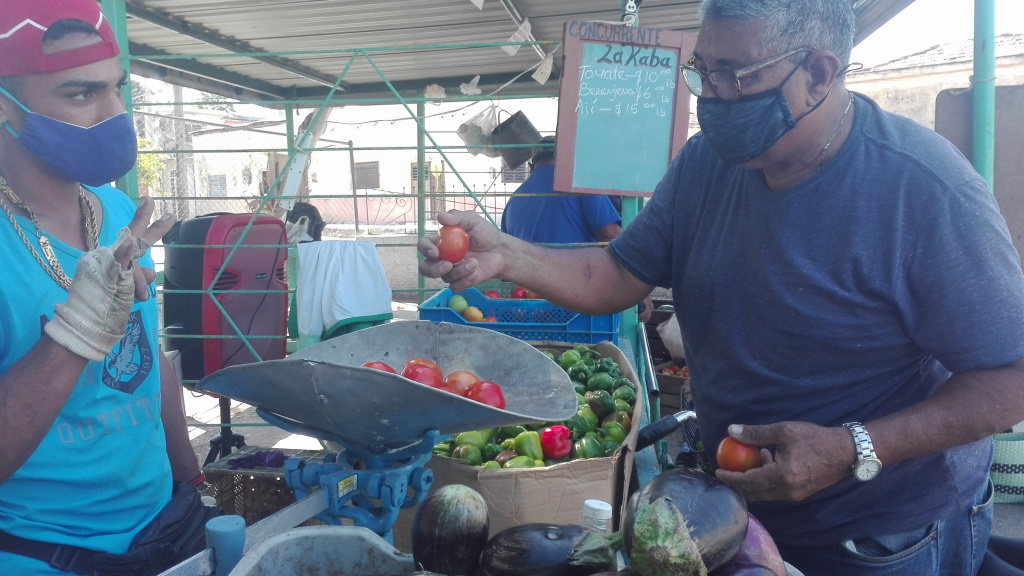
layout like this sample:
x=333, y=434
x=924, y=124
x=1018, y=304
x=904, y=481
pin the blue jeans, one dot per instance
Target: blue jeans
x=953, y=546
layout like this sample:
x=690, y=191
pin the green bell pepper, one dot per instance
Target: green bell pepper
x=619, y=382
x=601, y=381
x=606, y=365
x=474, y=439
x=621, y=406
x=587, y=448
x=509, y=443
x=468, y=453
x=579, y=388
x=626, y=394
x=490, y=451
x=585, y=351
x=549, y=355
x=519, y=462
x=600, y=402
x=610, y=446
x=614, y=432
x=491, y=465
x=568, y=359
x=578, y=425
x=510, y=431
x=589, y=416
x=621, y=418
x=580, y=372
x=528, y=444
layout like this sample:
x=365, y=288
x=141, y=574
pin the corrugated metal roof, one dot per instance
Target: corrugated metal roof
x=207, y=27
x=961, y=51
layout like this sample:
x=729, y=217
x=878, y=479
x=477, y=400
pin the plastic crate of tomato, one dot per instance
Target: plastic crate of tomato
x=533, y=320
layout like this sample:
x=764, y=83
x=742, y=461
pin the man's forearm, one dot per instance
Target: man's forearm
x=969, y=407
x=587, y=280
x=32, y=394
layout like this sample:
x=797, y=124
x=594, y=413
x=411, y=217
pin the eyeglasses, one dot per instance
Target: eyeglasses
x=726, y=83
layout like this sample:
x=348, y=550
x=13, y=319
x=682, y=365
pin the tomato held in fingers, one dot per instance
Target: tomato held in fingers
x=379, y=366
x=424, y=372
x=453, y=243
x=460, y=381
x=736, y=456
x=486, y=393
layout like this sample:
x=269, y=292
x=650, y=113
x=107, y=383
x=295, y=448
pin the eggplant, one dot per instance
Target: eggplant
x=758, y=556
x=715, y=514
x=549, y=550
x=450, y=530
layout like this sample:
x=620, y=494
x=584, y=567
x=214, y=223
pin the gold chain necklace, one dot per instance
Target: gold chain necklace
x=54, y=269
x=833, y=136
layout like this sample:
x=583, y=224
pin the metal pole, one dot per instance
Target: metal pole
x=289, y=124
x=984, y=89
x=355, y=192
x=114, y=11
x=421, y=188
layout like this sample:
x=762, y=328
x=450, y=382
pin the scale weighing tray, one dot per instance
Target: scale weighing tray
x=322, y=391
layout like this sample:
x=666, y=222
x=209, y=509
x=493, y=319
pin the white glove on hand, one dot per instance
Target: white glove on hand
x=296, y=231
x=99, y=303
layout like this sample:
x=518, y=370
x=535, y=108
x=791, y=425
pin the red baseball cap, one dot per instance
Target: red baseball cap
x=23, y=23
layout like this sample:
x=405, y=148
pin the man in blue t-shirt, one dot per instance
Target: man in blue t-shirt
x=91, y=417
x=536, y=214
x=849, y=297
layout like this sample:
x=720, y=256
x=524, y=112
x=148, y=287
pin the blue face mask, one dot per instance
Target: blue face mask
x=742, y=129
x=93, y=156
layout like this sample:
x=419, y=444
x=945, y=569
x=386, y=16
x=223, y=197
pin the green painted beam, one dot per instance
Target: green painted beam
x=983, y=86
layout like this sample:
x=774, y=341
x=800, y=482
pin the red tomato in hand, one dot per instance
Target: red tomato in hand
x=380, y=366
x=519, y=293
x=453, y=243
x=424, y=372
x=487, y=393
x=460, y=381
x=492, y=294
x=736, y=456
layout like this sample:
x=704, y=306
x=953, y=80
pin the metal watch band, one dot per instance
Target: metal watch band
x=861, y=440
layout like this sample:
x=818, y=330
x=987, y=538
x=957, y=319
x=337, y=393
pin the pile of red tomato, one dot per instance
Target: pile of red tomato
x=678, y=372
x=518, y=293
x=459, y=382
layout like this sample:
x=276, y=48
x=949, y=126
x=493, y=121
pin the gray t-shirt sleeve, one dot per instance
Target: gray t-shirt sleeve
x=645, y=246
x=964, y=299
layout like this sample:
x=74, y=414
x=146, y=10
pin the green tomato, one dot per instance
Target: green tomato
x=458, y=303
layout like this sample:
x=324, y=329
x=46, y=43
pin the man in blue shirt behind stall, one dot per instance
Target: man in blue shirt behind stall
x=849, y=297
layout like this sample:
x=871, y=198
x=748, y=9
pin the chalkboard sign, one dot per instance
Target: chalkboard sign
x=623, y=110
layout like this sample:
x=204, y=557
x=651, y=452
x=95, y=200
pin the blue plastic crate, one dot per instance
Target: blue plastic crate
x=534, y=320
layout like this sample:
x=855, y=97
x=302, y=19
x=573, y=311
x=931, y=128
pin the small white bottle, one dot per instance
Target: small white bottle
x=597, y=514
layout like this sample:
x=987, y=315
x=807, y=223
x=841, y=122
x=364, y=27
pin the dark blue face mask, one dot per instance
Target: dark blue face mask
x=93, y=156
x=742, y=129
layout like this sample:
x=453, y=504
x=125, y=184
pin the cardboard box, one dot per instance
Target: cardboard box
x=554, y=494
x=675, y=391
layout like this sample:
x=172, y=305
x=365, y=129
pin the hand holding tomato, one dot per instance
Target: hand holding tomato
x=805, y=458
x=483, y=261
x=452, y=244
x=736, y=456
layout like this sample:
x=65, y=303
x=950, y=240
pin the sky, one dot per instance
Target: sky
x=927, y=23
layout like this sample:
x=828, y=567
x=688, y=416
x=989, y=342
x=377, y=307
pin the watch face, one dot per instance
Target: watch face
x=867, y=469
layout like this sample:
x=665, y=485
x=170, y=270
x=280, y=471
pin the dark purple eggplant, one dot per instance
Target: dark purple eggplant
x=450, y=530
x=715, y=514
x=548, y=550
x=758, y=556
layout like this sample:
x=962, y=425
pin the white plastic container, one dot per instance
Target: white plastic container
x=597, y=514
x=324, y=551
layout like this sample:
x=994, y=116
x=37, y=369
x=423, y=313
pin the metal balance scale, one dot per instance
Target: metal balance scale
x=386, y=424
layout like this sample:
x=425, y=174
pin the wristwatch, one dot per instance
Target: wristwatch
x=867, y=465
